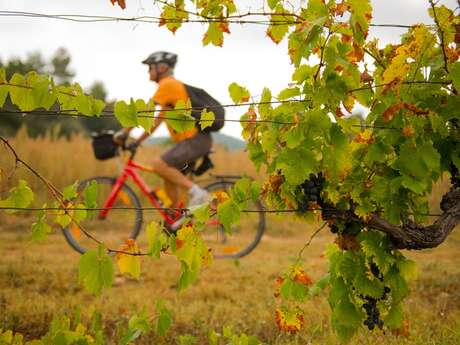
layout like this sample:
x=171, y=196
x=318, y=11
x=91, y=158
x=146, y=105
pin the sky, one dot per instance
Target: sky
x=112, y=51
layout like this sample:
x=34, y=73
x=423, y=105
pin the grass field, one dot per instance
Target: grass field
x=40, y=280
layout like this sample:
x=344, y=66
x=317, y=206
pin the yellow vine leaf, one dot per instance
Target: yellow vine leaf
x=407, y=53
x=130, y=264
x=289, y=321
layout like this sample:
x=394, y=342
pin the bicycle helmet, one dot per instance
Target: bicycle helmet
x=161, y=56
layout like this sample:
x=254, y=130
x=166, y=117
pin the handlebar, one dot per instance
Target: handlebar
x=127, y=147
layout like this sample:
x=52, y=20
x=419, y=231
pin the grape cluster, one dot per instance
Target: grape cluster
x=311, y=192
x=334, y=228
x=373, y=314
x=349, y=227
x=370, y=306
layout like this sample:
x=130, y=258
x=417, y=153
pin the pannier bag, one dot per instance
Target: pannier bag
x=200, y=100
x=103, y=145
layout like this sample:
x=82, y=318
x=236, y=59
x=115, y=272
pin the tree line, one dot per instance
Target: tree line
x=58, y=67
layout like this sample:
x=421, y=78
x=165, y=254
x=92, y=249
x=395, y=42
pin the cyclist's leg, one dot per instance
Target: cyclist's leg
x=171, y=164
x=173, y=192
x=170, y=173
x=183, y=155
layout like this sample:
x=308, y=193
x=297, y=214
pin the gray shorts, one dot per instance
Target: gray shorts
x=185, y=152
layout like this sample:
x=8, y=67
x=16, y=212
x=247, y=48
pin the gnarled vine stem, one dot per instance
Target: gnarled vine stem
x=411, y=235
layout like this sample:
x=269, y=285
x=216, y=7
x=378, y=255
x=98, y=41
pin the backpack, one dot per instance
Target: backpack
x=200, y=100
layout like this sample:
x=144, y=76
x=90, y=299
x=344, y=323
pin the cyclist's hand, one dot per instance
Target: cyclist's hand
x=120, y=137
x=132, y=146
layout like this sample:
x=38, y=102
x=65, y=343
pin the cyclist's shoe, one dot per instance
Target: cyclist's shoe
x=198, y=196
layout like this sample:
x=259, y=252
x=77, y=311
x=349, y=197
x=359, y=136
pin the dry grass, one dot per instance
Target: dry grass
x=64, y=161
x=39, y=280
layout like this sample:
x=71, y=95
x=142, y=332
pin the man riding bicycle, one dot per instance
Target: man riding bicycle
x=189, y=145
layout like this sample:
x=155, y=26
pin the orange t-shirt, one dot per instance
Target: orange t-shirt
x=169, y=92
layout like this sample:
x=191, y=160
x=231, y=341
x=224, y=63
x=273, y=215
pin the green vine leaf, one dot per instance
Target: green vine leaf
x=137, y=325
x=90, y=193
x=40, y=229
x=297, y=164
x=346, y=319
x=228, y=213
x=395, y=317
x=376, y=249
x=156, y=239
x=192, y=252
x=126, y=114
x=201, y=214
x=207, y=119
x=66, y=97
x=21, y=93
x=277, y=31
x=361, y=14
x=164, y=320
x=3, y=88
x=238, y=94
x=455, y=75
x=43, y=94
x=96, y=270
x=173, y=16
x=145, y=121
x=288, y=93
x=179, y=119
x=20, y=196
x=70, y=192
x=397, y=284
x=214, y=35
x=63, y=217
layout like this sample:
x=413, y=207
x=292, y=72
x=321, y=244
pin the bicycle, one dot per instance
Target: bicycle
x=113, y=223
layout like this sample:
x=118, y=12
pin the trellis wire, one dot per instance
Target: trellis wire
x=235, y=19
x=182, y=210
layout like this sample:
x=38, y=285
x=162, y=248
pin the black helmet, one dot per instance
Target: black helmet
x=168, y=58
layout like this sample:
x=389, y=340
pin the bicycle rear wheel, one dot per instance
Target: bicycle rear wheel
x=244, y=236
x=113, y=229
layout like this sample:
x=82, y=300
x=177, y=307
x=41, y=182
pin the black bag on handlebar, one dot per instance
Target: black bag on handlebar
x=103, y=146
x=200, y=100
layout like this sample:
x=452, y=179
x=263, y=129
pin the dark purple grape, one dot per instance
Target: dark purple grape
x=374, y=269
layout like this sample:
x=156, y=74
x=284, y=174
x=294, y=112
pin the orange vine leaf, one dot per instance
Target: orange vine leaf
x=120, y=3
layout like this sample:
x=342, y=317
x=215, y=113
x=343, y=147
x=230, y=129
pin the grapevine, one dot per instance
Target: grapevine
x=370, y=182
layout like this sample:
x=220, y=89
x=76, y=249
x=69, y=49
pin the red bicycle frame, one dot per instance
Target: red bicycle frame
x=170, y=216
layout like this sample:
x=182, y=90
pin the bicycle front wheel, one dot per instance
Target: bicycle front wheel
x=243, y=237
x=112, y=228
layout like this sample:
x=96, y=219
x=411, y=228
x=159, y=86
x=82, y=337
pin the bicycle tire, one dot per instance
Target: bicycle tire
x=247, y=246
x=133, y=199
